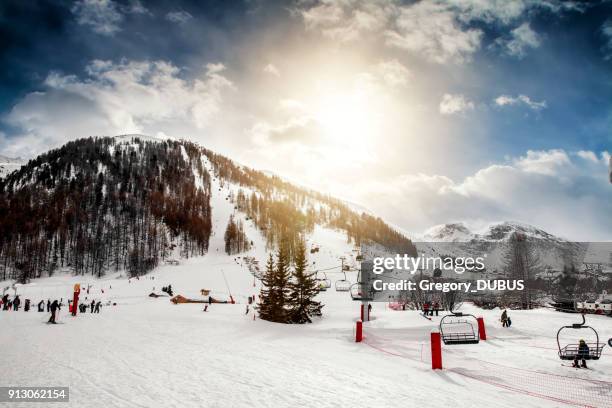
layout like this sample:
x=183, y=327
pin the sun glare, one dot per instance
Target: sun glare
x=346, y=118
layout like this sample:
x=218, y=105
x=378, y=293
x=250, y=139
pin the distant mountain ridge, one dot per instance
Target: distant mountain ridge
x=459, y=232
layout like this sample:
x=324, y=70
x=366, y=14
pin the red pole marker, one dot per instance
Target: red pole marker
x=359, y=331
x=362, y=314
x=481, y=328
x=75, y=299
x=436, y=351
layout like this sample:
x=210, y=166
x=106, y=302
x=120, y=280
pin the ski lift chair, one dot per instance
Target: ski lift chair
x=324, y=283
x=343, y=285
x=359, y=292
x=571, y=351
x=458, y=328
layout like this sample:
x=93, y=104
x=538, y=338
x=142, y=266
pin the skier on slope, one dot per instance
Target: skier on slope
x=54, y=308
x=41, y=306
x=48, y=305
x=93, y=304
x=16, y=303
x=583, y=353
x=504, y=318
x=97, y=309
x=425, y=308
x=5, y=302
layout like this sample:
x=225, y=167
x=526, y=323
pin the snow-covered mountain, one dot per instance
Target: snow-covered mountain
x=131, y=202
x=553, y=252
x=459, y=232
x=454, y=232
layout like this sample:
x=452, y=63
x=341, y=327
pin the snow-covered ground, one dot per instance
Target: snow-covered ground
x=148, y=352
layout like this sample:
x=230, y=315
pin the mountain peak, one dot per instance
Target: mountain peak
x=453, y=232
x=503, y=231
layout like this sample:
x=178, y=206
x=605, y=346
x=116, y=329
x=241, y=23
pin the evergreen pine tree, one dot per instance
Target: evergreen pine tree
x=282, y=280
x=267, y=296
x=303, y=289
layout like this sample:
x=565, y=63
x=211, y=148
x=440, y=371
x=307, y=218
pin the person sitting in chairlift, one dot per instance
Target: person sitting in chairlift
x=583, y=352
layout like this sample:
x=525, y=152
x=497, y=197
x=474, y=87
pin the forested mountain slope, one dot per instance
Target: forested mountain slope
x=103, y=203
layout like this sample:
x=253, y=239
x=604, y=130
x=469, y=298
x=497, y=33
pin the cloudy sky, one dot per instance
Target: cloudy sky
x=424, y=112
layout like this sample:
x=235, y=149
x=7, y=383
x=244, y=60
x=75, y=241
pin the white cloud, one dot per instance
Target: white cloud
x=455, y=103
x=548, y=162
x=214, y=68
x=542, y=188
x=347, y=20
x=507, y=100
x=393, y=72
x=179, y=16
x=520, y=40
x=431, y=30
x=301, y=129
x=105, y=16
x=272, y=70
x=116, y=98
x=489, y=11
x=102, y=16
x=442, y=31
x=505, y=12
x=135, y=7
x=588, y=155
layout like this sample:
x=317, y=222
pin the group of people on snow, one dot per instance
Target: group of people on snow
x=94, y=307
x=52, y=307
x=11, y=304
x=430, y=307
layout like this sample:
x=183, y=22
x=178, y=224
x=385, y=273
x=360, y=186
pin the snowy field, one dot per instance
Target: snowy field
x=148, y=352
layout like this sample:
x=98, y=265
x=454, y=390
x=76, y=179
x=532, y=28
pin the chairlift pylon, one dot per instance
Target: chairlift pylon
x=458, y=328
x=571, y=351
